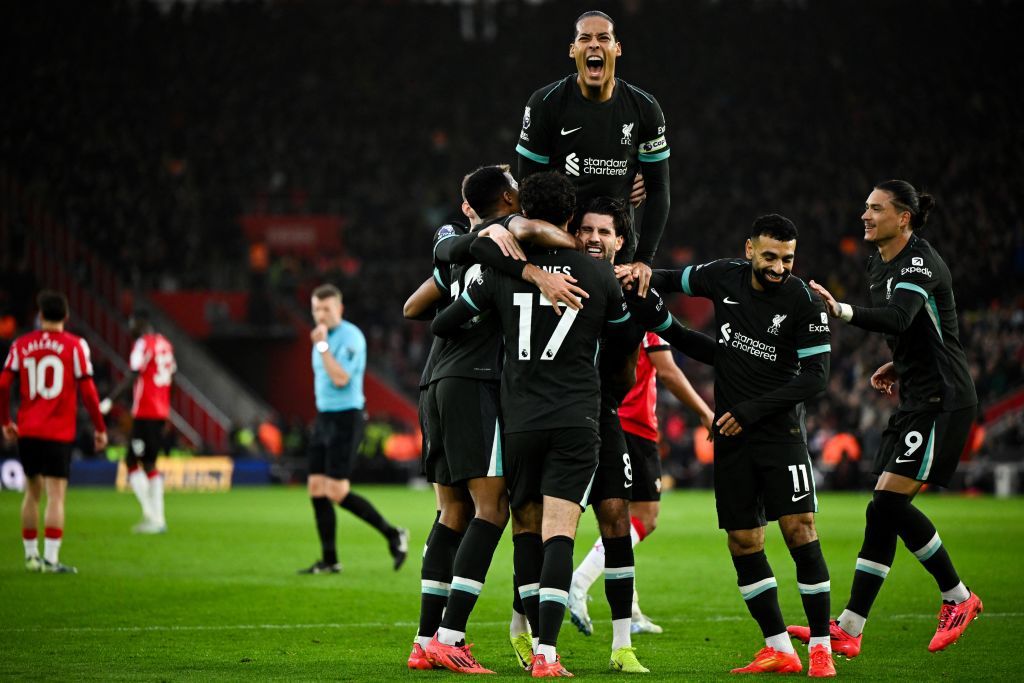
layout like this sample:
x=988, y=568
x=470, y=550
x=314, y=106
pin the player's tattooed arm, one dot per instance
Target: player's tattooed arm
x=505, y=239
x=422, y=304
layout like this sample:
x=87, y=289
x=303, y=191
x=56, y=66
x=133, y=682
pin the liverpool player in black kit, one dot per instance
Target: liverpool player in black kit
x=599, y=131
x=550, y=394
x=912, y=304
x=772, y=355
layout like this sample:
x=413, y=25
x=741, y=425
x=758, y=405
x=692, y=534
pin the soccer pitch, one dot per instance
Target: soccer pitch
x=218, y=596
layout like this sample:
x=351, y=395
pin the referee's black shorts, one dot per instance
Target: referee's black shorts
x=336, y=438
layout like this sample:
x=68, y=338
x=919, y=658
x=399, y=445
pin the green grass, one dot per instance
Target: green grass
x=218, y=597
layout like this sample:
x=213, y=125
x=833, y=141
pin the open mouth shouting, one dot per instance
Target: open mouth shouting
x=595, y=67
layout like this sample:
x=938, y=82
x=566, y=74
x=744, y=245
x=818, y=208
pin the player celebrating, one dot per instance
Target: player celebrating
x=550, y=402
x=339, y=361
x=152, y=372
x=912, y=303
x=599, y=131
x=50, y=364
x=772, y=355
x=633, y=445
x=463, y=433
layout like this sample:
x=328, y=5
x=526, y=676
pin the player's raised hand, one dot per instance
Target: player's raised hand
x=505, y=240
x=885, y=378
x=826, y=296
x=99, y=440
x=318, y=334
x=728, y=425
x=557, y=288
x=639, y=193
x=10, y=432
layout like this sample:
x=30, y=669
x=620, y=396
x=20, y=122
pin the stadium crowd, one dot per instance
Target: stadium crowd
x=232, y=108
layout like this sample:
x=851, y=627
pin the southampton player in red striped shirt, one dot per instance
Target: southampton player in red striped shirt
x=49, y=365
x=152, y=372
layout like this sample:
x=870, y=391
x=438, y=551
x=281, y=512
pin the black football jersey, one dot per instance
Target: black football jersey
x=550, y=377
x=762, y=338
x=475, y=351
x=598, y=145
x=928, y=356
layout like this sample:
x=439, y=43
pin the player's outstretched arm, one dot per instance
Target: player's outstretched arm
x=556, y=287
x=421, y=304
x=541, y=233
x=454, y=249
x=671, y=375
x=692, y=343
x=107, y=403
x=893, y=318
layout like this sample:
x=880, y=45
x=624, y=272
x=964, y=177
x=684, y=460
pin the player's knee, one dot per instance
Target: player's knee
x=887, y=506
x=798, y=530
x=746, y=541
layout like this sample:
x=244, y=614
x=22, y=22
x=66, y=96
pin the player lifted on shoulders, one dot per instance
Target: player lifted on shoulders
x=600, y=131
x=152, y=372
x=51, y=365
x=912, y=304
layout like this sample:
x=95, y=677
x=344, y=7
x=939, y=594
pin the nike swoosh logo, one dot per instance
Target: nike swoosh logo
x=566, y=132
x=798, y=498
x=899, y=460
x=628, y=485
x=727, y=300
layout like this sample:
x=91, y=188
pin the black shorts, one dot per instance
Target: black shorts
x=336, y=439
x=463, y=431
x=758, y=482
x=44, y=457
x=925, y=446
x=146, y=442
x=560, y=463
x=646, y=460
x=614, y=478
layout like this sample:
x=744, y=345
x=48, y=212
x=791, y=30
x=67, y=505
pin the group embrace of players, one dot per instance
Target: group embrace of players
x=540, y=309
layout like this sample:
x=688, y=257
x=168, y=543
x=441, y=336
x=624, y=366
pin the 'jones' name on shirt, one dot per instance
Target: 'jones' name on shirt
x=557, y=269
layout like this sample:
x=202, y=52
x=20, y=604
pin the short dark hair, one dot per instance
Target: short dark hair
x=140, y=321
x=548, y=196
x=326, y=292
x=483, y=188
x=775, y=226
x=906, y=198
x=587, y=14
x=53, y=306
x=606, y=206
